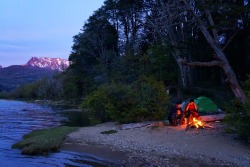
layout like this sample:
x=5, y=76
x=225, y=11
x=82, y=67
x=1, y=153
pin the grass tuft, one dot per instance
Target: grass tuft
x=41, y=142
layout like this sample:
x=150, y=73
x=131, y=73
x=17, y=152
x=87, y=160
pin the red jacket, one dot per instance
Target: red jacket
x=192, y=107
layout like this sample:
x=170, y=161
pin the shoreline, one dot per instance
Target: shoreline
x=160, y=146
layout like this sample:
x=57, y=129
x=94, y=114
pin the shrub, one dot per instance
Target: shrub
x=238, y=119
x=95, y=104
x=152, y=97
x=239, y=115
x=143, y=100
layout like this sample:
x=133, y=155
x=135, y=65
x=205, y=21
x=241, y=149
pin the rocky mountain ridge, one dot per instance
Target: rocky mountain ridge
x=48, y=63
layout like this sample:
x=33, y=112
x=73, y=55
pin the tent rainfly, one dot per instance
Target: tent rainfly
x=205, y=105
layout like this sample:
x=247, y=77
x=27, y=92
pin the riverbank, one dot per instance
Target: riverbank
x=161, y=146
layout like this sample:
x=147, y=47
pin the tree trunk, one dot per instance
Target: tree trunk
x=183, y=69
x=224, y=64
x=231, y=77
x=183, y=73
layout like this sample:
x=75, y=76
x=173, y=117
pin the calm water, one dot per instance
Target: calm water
x=18, y=118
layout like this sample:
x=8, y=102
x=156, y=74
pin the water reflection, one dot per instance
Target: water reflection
x=19, y=118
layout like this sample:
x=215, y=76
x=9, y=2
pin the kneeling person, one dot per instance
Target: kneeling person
x=175, y=115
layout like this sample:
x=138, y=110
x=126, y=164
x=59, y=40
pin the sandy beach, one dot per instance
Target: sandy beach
x=161, y=146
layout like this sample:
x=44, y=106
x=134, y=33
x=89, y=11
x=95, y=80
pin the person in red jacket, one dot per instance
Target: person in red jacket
x=191, y=111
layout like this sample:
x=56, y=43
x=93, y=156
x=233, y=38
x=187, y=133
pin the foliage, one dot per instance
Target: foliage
x=94, y=104
x=40, y=142
x=72, y=86
x=45, y=88
x=152, y=97
x=162, y=64
x=93, y=53
x=142, y=100
x=239, y=115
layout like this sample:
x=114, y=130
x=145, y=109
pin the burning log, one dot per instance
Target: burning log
x=197, y=124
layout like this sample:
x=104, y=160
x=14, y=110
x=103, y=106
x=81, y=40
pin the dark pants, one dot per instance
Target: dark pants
x=177, y=119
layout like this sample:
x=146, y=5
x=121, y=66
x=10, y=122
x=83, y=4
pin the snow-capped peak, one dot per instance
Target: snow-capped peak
x=49, y=63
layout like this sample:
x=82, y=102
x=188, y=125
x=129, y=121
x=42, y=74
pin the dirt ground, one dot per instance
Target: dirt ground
x=161, y=145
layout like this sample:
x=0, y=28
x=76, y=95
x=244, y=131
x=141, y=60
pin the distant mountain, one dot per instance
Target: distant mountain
x=48, y=63
x=36, y=68
x=13, y=76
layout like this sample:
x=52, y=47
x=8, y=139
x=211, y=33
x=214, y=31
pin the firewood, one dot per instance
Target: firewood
x=193, y=125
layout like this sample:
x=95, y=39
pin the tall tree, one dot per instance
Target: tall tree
x=128, y=18
x=94, y=50
x=216, y=20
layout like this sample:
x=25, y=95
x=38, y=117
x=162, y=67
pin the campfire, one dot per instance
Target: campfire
x=197, y=124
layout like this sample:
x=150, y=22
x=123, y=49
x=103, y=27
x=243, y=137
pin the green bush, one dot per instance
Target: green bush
x=95, y=104
x=238, y=119
x=152, y=97
x=239, y=115
x=143, y=100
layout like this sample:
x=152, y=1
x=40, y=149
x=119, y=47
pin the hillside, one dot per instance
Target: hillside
x=13, y=76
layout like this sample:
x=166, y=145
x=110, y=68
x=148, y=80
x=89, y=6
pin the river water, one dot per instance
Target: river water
x=18, y=118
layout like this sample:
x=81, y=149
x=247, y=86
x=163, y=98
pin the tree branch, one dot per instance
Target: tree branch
x=230, y=40
x=211, y=22
x=200, y=64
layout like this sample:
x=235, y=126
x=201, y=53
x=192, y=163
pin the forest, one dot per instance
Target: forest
x=133, y=58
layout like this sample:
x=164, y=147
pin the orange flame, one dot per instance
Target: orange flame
x=197, y=123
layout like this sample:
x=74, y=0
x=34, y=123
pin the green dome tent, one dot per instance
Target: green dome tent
x=204, y=104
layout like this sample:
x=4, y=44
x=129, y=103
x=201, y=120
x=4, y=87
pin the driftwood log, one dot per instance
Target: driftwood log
x=143, y=124
x=134, y=125
x=211, y=118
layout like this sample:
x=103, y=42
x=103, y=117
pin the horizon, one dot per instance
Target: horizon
x=35, y=28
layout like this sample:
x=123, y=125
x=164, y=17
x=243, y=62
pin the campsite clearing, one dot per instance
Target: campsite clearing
x=162, y=145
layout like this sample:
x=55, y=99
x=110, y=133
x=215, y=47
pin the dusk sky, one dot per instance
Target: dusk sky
x=40, y=28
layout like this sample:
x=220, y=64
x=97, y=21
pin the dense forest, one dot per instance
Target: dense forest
x=133, y=58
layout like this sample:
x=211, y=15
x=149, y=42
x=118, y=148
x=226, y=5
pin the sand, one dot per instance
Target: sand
x=161, y=146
